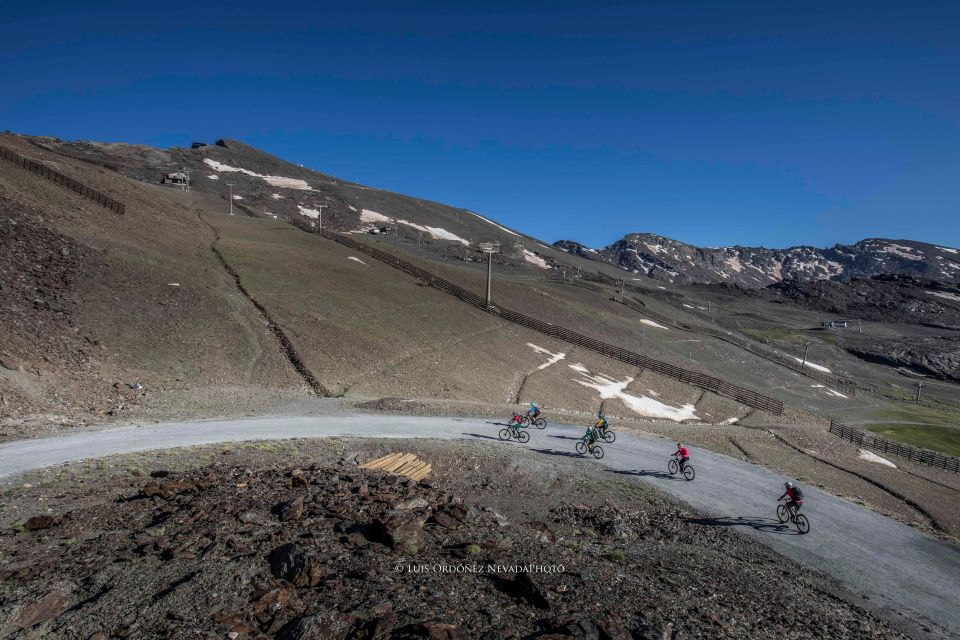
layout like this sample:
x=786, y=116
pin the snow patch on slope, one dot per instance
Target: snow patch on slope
x=870, y=456
x=609, y=388
x=494, y=224
x=435, y=232
x=374, y=218
x=651, y=323
x=818, y=367
x=369, y=215
x=275, y=181
x=553, y=358
x=946, y=295
x=310, y=213
x=533, y=258
x=904, y=252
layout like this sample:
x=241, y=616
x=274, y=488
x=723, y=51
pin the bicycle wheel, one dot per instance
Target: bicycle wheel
x=609, y=437
x=782, y=514
x=504, y=434
x=523, y=437
x=581, y=447
x=803, y=525
x=689, y=473
x=524, y=421
x=673, y=467
x=597, y=451
x=540, y=423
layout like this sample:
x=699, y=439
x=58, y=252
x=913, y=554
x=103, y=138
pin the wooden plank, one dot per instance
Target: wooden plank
x=422, y=473
x=404, y=464
x=414, y=468
x=401, y=462
x=396, y=463
x=407, y=466
x=380, y=462
x=384, y=461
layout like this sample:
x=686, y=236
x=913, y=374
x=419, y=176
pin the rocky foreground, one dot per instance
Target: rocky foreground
x=242, y=551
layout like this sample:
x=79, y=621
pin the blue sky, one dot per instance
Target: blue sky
x=715, y=123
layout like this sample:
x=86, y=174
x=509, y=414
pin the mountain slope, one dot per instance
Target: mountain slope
x=672, y=261
x=270, y=187
x=177, y=308
x=267, y=186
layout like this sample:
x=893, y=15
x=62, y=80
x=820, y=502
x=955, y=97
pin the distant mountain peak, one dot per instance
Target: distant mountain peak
x=670, y=260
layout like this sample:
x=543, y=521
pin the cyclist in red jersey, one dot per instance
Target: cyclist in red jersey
x=794, y=496
x=684, y=455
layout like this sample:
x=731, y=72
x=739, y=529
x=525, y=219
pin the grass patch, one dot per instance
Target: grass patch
x=912, y=412
x=829, y=338
x=929, y=436
x=781, y=335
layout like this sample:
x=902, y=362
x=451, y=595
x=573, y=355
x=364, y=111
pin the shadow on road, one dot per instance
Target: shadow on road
x=499, y=424
x=567, y=438
x=486, y=437
x=769, y=525
x=662, y=475
x=565, y=454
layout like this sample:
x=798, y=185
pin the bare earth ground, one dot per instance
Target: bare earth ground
x=292, y=540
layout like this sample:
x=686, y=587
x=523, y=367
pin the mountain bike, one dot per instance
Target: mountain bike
x=514, y=432
x=607, y=435
x=793, y=515
x=582, y=448
x=674, y=467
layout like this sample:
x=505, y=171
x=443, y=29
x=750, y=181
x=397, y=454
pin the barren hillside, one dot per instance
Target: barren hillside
x=178, y=308
x=213, y=313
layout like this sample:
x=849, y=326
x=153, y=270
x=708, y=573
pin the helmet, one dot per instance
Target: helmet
x=788, y=485
x=600, y=414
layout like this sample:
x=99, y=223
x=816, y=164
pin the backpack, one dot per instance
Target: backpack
x=797, y=493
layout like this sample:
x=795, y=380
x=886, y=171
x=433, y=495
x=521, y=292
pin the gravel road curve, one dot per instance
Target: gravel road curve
x=901, y=570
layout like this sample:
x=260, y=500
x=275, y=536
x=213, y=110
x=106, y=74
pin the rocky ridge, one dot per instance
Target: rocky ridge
x=672, y=261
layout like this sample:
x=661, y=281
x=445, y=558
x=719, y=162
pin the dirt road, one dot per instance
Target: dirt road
x=894, y=567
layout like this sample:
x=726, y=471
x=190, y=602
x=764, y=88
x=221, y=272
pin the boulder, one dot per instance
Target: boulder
x=9, y=362
x=449, y=516
x=436, y=630
x=36, y=523
x=319, y=626
x=292, y=563
x=47, y=607
x=399, y=530
x=292, y=509
x=524, y=587
x=412, y=503
x=273, y=601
